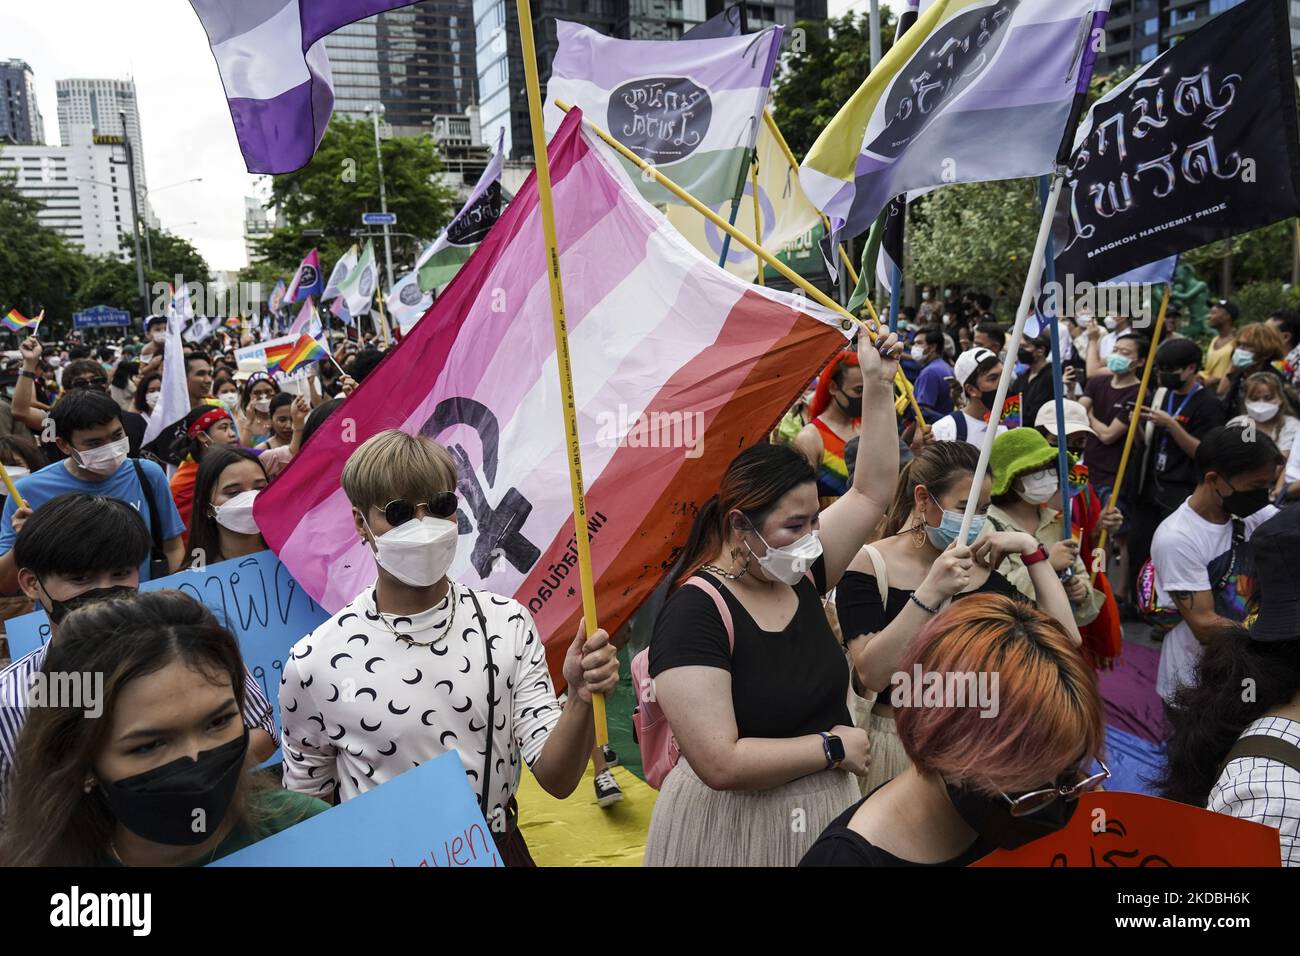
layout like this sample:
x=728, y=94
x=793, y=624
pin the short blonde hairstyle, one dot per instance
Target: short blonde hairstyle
x=393, y=464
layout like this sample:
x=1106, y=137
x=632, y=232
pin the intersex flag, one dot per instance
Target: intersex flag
x=273, y=65
x=787, y=217
x=305, y=350
x=975, y=90
x=690, y=109
x=1198, y=145
x=677, y=366
x=439, y=263
x=307, y=281
x=15, y=321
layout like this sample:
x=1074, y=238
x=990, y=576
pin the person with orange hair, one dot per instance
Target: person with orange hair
x=834, y=418
x=1002, y=721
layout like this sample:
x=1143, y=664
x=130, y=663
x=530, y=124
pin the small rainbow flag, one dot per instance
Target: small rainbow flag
x=1078, y=478
x=305, y=350
x=1010, y=412
x=15, y=321
x=275, y=354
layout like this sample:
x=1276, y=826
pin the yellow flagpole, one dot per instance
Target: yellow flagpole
x=794, y=164
x=785, y=271
x=1134, y=423
x=14, y=496
x=561, y=344
x=383, y=317
x=758, y=215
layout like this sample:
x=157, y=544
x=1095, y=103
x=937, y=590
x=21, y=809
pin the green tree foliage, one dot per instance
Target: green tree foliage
x=817, y=77
x=341, y=182
x=39, y=269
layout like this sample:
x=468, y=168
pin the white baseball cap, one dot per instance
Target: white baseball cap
x=1076, y=418
x=969, y=361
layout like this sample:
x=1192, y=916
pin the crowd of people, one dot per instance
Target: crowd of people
x=827, y=570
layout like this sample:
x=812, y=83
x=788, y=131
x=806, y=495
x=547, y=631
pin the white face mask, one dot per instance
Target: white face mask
x=231, y=400
x=152, y=399
x=1111, y=323
x=262, y=405
x=789, y=564
x=1038, y=486
x=237, y=513
x=918, y=353
x=105, y=459
x=419, y=552
x=159, y=337
x=1262, y=411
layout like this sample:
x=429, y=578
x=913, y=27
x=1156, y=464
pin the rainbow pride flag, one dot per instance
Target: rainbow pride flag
x=15, y=321
x=1010, y=412
x=275, y=354
x=305, y=350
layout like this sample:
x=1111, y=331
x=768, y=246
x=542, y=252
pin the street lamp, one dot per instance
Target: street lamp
x=383, y=203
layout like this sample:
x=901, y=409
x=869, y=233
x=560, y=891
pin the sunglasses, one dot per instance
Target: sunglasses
x=1036, y=800
x=399, y=510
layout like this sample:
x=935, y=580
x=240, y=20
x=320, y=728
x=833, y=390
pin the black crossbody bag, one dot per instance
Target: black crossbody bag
x=158, y=565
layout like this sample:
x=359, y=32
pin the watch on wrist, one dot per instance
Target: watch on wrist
x=1033, y=557
x=833, y=747
x=25, y=373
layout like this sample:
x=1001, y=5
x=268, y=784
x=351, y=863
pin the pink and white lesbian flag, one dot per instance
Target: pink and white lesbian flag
x=677, y=366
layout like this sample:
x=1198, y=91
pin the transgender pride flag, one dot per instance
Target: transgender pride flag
x=677, y=366
x=271, y=57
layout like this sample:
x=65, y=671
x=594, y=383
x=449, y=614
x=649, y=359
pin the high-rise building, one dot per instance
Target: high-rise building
x=259, y=222
x=1138, y=31
x=20, y=117
x=98, y=104
x=83, y=194
x=416, y=61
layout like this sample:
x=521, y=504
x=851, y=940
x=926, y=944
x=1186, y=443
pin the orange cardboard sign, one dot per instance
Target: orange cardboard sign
x=1115, y=829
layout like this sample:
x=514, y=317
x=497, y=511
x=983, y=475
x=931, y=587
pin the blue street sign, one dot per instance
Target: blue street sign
x=379, y=218
x=100, y=317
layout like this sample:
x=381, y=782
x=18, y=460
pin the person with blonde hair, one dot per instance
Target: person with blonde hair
x=915, y=568
x=1001, y=762
x=418, y=665
x=1257, y=347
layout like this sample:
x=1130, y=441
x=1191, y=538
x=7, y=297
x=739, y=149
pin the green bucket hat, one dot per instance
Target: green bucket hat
x=1018, y=452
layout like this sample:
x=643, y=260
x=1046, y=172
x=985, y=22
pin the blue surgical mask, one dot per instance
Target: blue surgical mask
x=1119, y=364
x=1243, y=358
x=950, y=527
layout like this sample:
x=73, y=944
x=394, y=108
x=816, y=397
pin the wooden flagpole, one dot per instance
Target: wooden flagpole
x=1134, y=423
x=561, y=344
x=785, y=271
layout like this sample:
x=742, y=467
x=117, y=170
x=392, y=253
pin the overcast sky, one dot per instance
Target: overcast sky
x=185, y=122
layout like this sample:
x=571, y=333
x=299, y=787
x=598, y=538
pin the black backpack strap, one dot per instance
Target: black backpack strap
x=959, y=422
x=1262, y=745
x=155, y=526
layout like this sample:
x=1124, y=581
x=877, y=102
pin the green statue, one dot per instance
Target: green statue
x=1192, y=296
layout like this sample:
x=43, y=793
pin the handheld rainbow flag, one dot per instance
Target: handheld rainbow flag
x=15, y=321
x=305, y=350
x=1010, y=412
x=275, y=354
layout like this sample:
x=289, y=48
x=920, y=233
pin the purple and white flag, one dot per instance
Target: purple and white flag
x=271, y=57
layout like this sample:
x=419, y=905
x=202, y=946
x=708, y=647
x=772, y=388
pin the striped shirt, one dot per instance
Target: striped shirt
x=1263, y=790
x=15, y=680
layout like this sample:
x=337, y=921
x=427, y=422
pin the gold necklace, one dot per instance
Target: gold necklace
x=411, y=642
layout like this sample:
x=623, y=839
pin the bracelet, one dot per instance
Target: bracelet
x=924, y=607
x=23, y=373
x=1033, y=557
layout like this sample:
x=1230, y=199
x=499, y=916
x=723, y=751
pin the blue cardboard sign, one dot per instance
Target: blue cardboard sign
x=255, y=597
x=428, y=816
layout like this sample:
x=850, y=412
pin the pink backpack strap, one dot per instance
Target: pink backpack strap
x=720, y=603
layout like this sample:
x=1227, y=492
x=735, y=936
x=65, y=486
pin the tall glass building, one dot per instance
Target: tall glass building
x=1140, y=30
x=417, y=61
x=20, y=117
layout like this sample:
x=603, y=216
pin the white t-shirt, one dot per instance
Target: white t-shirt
x=945, y=429
x=1293, y=463
x=1285, y=438
x=1184, y=547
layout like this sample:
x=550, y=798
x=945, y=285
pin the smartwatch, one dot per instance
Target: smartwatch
x=833, y=748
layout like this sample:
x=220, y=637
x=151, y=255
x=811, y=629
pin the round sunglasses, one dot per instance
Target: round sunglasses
x=399, y=510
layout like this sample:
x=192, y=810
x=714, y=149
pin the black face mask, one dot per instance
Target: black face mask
x=1172, y=380
x=991, y=818
x=853, y=408
x=1243, y=504
x=61, y=609
x=1026, y=356
x=160, y=804
x=988, y=398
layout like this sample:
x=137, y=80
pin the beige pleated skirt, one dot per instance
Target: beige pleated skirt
x=694, y=825
x=888, y=758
